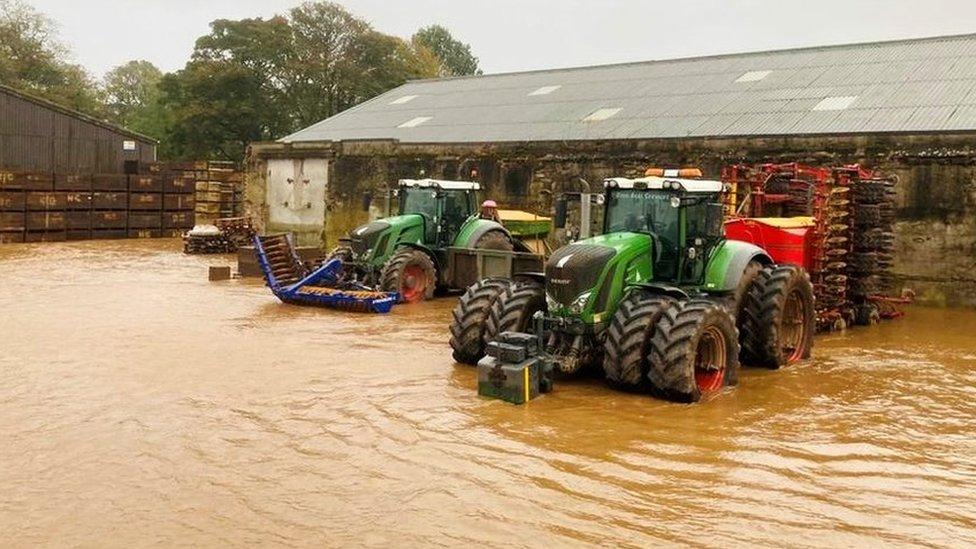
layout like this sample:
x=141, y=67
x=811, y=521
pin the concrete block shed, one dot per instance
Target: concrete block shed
x=906, y=108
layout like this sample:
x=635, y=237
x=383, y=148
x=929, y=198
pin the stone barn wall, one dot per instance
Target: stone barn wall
x=935, y=234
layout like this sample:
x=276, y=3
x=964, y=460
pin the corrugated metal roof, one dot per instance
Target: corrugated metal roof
x=923, y=85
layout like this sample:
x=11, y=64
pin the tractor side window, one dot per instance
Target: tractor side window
x=455, y=210
x=419, y=201
x=705, y=219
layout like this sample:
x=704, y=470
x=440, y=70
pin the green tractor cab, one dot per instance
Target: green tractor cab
x=407, y=252
x=662, y=301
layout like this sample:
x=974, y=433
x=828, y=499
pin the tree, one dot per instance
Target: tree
x=132, y=96
x=32, y=59
x=456, y=57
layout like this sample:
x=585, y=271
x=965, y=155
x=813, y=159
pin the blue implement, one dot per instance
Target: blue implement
x=291, y=281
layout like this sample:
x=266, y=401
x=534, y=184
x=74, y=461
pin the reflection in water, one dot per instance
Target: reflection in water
x=140, y=403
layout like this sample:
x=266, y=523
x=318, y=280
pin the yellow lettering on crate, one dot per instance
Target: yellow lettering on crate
x=6, y=177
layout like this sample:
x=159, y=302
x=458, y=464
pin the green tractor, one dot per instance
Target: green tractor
x=661, y=300
x=407, y=253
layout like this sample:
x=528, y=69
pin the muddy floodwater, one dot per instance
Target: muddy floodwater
x=142, y=405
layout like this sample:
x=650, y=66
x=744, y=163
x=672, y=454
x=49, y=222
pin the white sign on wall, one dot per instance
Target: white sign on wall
x=128, y=145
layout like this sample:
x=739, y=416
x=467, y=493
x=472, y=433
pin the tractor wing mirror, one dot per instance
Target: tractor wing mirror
x=367, y=201
x=559, y=219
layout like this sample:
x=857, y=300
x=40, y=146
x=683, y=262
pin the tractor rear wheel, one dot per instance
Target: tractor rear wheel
x=494, y=240
x=410, y=272
x=470, y=317
x=694, y=351
x=626, y=346
x=778, y=318
x=514, y=308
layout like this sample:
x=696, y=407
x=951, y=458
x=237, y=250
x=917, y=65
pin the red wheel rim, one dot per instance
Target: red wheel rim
x=710, y=361
x=794, y=329
x=413, y=283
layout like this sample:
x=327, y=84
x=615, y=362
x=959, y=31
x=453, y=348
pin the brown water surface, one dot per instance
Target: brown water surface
x=141, y=405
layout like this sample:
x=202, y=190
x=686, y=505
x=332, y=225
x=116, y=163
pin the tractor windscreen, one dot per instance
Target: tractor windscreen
x=642, y=211
x=415, y=200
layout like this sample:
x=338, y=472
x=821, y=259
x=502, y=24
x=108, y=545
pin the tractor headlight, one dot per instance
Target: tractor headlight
x=675, y=201
x=579, y=303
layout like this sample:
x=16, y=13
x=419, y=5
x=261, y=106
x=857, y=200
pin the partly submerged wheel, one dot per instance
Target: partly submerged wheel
x=494, y=240
x=628, y=337
x=778, y=318
x=410, y=272
x=514, y=308
x=694, y=351
x=470, y=318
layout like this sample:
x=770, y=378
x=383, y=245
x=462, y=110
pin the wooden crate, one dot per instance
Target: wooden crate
x=78, y=200
x=179, y=202
x=109, y=220
x=40, y=201
x=13, y=201
x=26, y=181
x=104, y=234
x=13, y=221
x=110, y=182
x=178, y=220
x=76, y=221
x=207, y=208
x=46, y=236
x=78, y=234
x=145, y=201
x=46, y=221
x=110, y=201
x=140, y=220
x=145, y=184
x=72, y=182
x=179, y=183
x=145, y=233
x=11, y=237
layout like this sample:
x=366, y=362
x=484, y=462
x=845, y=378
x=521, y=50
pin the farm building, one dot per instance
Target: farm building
x=906, y=108
x=40, y=136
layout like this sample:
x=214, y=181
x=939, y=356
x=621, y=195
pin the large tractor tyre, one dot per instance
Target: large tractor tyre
x=626, y=346
x=494, y=240
x=694, y=351
x=749, y=276
x=410, y=272
x=514, y=308
x=470, y=318
x=778, y=319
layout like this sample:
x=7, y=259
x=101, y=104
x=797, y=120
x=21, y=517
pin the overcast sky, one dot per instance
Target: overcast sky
x=515, y=35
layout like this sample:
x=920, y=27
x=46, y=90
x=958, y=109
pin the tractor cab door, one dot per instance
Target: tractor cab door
x=703, y=229
x=456, y=208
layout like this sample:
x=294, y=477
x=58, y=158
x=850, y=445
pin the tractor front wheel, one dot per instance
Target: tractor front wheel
x=411, y=273
x=694, y=351
x=628, y=337
x=778, y=318
x=514, y=308
x=470, y=318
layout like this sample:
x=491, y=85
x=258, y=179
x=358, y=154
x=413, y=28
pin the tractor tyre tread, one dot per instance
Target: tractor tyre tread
x=628, y=336
x=762, y=315
x=513, y=309
x=393, y=270
x=470, y=317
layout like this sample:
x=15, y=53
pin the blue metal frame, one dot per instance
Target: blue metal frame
x=325, y=276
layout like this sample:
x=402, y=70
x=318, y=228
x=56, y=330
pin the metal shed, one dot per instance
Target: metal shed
x=921, y=85
x=40, y=136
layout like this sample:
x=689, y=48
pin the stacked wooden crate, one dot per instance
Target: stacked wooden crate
x=179, y=201
x=110, y=206
x=77, y=189
x=218, y=187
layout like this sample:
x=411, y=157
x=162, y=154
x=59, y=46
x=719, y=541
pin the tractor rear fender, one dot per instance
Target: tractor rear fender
x=474, y=228
x=727, y=265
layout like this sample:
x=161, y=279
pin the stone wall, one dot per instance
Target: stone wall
x=936, y=232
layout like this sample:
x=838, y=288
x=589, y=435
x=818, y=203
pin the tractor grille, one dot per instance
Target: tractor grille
x=574, y=269
x=365, y=237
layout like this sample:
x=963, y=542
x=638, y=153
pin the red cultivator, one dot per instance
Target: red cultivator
x=836, y=223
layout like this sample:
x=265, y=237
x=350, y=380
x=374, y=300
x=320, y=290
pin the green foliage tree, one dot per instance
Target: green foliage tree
x=455, y=56
x=32, y=59
x=133, y=98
